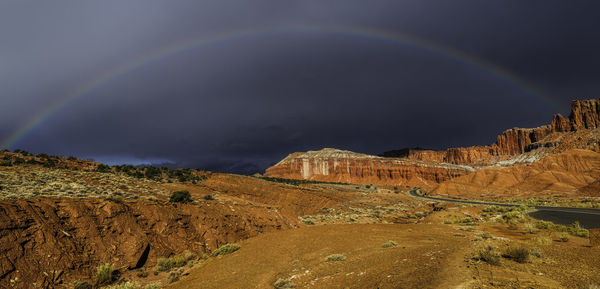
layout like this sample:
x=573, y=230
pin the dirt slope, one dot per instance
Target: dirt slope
x=571, y=173
x=427, y=256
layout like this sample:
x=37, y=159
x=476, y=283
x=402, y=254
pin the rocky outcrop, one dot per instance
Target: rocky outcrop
x=332, y=165
x=47, y=243
x=422, y=167
x=585, y=114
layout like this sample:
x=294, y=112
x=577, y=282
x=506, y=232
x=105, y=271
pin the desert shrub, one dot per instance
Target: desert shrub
x=180, y=261
x=102, y=168
x=188, y=255
x=142, y=273
x=180, y=197
x=173, y=277
x=541, y=240
x=226, y=249
x=489, y=256
x=518, y=254
x=79, y=284
x=536, y=252
x=335, y=257
x=486, y=235
x=284, y=284
x=156, y=285
x=389, y=244
x=114, y=199
x=466, y=220
x=208, y=197
x=563, y=237
x=152, y=173
x=105, y=274
x=308, y=222
x=577, y=230
x=165, y=264
x=126, y=285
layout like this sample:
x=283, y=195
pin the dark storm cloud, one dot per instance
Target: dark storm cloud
x=244, y=103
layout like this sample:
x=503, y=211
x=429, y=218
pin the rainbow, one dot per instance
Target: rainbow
x=173, y=49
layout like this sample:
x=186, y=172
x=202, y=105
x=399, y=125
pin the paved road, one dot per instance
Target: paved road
x=588, y=218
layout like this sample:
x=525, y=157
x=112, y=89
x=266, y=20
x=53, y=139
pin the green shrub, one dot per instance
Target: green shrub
x=335, y=257
x=209, y=197
x=79, y=284
x=517, y=254
x=489, y=256
x=563, y=237
x=486, y=235
x=180, y=261
x=536, y=252
x=541, y=240
x=156, y=285
x=102, y=168
x=173, y=277
x=284, y=284
x=126, y=285
x=165, y=264
x=105, y=274
x=180, y=197
x=389, y=244
x=226, y=249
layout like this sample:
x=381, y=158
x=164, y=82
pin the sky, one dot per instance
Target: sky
x=235, y=86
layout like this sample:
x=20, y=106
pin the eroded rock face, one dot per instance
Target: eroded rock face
x=46, y=242
x=332, y=165
x=421, y=167
x=585, y=114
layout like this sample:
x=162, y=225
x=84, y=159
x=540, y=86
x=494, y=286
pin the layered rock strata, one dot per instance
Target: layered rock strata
x=332, y=165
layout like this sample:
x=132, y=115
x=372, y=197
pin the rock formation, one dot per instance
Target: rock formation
x=332, y=165
x=585, y=114
x=421, y=167
x=572, y=173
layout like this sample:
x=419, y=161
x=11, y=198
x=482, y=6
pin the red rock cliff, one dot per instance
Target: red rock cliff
x=332, y=165
x=585, y=114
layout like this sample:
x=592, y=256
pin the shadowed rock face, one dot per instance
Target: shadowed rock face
x=334, y=165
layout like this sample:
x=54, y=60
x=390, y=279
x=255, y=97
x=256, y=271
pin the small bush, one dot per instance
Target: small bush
x=81, y=285
x=226, y=249
x=173, y=277
x=180, y=197
x=102, y=168
x=308, y=222
x=209, y=197
x=188, y=255
x=335, y=257
x=156, y=285
x=489, y=256
x=126, y=285
x=165, y=264
x=389, y=244
x=486, y=235
x=180, y=261
x=536, y=252
x=542, y=240
x=284, y=284
x=517, y=254
x=105, y=274
x=564, y=237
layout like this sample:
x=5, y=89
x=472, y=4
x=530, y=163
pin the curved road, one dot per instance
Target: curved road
x=588, y=218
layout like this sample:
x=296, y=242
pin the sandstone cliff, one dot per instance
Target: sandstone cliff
x=332, y=165
x=570, y=173
x=585, y=115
